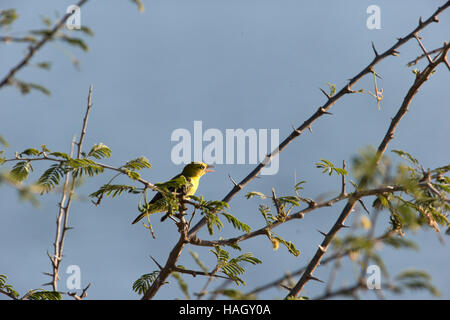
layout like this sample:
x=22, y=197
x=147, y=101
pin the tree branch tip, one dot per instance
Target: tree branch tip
x=47, y=284
x=232, y=180
x=324, y=111
x=310, y=277
x=284, y=287
x=374, y=49
x=364, y=206
x=326, y=94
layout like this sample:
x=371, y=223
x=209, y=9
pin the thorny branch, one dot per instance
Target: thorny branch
x=325, y=261
x=331, y=100
x=64, y=206
x=324, y=108
x=170, y=265
x=420, y=79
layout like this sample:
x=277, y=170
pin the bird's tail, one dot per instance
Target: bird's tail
x=140, y=217
x=164, y=217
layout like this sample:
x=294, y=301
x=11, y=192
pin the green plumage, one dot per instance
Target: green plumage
x=192, y=174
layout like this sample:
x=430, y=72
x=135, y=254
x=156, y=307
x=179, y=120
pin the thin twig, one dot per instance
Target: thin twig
x=57, y=256
x=64, y=206
x=7, y=39
x=195, y=273
x=82, y=295
x=423, y=48
x=416, y=60
x=35, y=48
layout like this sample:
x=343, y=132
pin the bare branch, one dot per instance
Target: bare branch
x=64, y=206
x=423, y=48
x=416, y=60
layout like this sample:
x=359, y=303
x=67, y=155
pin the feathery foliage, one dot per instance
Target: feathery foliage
x=142, y=284
x=232, y=267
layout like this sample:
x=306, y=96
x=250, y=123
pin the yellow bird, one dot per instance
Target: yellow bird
x=192, y=172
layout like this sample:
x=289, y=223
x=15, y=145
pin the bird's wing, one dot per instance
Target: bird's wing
x=159, y=196
x=158, y=207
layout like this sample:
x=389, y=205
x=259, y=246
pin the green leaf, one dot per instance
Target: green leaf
x=40, y=294
x=86, y=30
x=299, y=185
x=236, y=294
x=114, y=190
x=417, y=280
x=21, y=171
x=30, y=152
x=332, y=89
x=413, y=274
x=7, y=17
x=198, y=261
x=26, y=87
x=255, y=193
x=289, y=245
x=51, y=177
x=142, y=284
x=4, y=142
x=137, y=164
x=82, y=167
x=7, y=287
x=407, y=156
x=399, y=243
x=40, y=88
x=212, y=220
x=232, y=267
x=99, y=151
x=265, y=212
x=182, y=284
x=236, y=223
x=60, y=155
x=328, y=167
x=133, y=175
x=78, y=42
x=46, y=65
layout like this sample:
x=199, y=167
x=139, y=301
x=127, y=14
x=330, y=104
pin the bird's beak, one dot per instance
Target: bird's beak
x=208, y=169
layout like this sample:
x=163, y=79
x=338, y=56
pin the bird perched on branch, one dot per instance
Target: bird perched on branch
x=191, y=173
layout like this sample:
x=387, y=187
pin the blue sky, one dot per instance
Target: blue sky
x=231, y=64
